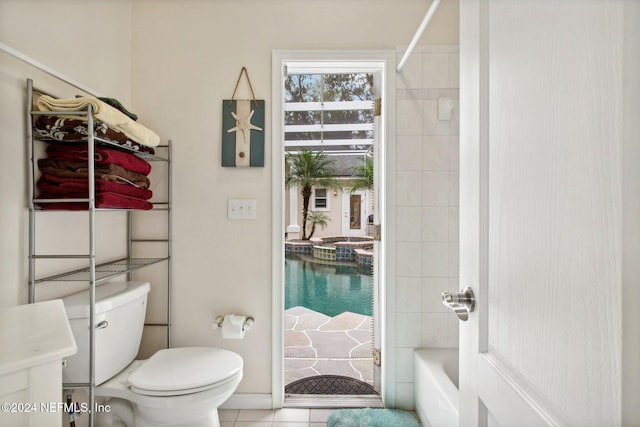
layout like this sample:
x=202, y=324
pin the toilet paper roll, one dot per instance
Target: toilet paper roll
x=232, y=327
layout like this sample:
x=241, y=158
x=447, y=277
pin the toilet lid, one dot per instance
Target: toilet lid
x=185, y=368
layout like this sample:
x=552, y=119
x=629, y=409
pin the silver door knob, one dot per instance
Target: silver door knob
x=462, y=303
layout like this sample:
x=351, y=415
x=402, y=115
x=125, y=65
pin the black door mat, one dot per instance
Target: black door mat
x=329, y=384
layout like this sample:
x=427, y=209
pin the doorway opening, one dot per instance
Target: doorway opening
x=329, y=143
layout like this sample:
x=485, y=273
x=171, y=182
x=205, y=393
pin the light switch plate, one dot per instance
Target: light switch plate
x=241, y=209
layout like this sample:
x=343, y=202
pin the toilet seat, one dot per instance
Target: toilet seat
x=185, y=370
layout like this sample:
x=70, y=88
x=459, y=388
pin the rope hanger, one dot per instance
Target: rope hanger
x=243, y=70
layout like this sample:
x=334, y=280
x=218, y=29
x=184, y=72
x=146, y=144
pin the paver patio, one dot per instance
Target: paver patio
x=316, y=344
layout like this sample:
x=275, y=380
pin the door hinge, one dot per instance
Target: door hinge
x=377, y=107
x=377, y=357
x=377, y=232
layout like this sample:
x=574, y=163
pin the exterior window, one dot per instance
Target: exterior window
x=329, y=112
x=320, y=199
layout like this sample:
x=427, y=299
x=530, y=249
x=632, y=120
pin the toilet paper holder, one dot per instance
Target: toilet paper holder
x=245, y=326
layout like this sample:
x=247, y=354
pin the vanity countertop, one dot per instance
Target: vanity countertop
x=34, y=334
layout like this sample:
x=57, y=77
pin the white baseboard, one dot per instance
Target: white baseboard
x=248, y=401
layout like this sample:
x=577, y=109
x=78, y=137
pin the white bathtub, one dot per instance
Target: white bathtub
x=436, y=386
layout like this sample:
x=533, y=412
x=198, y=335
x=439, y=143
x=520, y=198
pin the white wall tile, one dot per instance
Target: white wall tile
x=409, y=221
x=435, y=70
x=435, y=188
x=408, y=330
x=454, y=153
x=409, y=117
x=407, y=291
x=410, y=77
x=408, y=153
x=404, y=364
x=454, y=224
x=435, y=224
x=409, y=188
x=436, y=329
x=435, y=259
x=424, y=48
x=454, y=188
x=431, y=124
x=436, y=152
x=427, y=231
x=454, y=123
x=409, y=259
x=432, y=290
x=445, y=48
x=454, y=70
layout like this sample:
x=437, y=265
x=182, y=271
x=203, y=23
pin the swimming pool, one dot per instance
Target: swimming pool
x=329, y=289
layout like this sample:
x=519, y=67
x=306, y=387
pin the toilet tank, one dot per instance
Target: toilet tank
x=119, y=311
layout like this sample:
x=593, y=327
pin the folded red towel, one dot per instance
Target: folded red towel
x=102, y=156
x=79, y=187
x=79, y=169
x=103, y=201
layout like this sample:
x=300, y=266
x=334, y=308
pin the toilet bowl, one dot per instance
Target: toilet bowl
x=175, y=387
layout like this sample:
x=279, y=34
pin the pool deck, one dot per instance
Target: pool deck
x=316, y=344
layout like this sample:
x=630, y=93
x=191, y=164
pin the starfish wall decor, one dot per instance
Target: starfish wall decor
x=243, y=123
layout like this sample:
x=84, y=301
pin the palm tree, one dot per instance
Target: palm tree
x=317, y=219
x=363, y=175
x=308, y=169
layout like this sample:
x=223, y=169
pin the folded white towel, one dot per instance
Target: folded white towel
x=105, y=113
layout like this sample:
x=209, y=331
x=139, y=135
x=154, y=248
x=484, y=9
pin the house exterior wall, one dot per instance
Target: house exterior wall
x=333, y=213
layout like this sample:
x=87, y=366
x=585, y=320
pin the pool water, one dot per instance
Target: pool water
x=327, y=289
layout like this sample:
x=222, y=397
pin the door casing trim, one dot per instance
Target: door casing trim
x=387, y=60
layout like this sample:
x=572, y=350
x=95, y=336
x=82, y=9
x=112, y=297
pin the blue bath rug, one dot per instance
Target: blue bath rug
x=369, y=417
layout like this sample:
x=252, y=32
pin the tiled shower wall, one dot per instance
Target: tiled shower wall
x=426, y=208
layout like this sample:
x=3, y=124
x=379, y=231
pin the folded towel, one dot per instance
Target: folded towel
x=73, y=188
x=103, y=201
x=118, y=105
x=109, y=172
x=103, y=112
x=72, y=130
x=102, y=155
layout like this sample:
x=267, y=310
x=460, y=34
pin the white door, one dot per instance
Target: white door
x=355, y=212
x=541, y=232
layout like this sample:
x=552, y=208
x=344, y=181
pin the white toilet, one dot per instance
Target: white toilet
x=176, y=387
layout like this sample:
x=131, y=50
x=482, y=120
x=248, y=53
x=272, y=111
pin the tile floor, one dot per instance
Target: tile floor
x=286, y=417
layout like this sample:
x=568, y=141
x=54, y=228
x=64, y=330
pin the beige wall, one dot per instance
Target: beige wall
x=175, y=61
x=83, y=53
x=90, y=42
